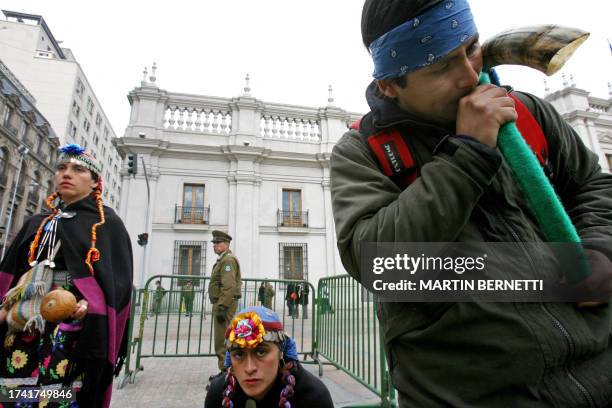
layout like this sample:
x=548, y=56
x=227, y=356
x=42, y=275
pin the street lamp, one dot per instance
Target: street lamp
x=23, y=151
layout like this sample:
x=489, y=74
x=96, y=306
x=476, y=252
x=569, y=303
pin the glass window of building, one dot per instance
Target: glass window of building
x=293, y=264
x=6, y=115
x=292, y=208
x=193, y=211
x=189, y=259
x=80, y=88
x=90, y=106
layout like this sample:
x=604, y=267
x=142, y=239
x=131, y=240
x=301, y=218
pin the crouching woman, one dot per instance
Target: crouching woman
x=263, y=367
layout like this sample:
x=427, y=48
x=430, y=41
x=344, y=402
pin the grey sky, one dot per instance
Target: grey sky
x=292, y=49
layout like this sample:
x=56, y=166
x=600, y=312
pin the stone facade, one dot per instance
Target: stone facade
x=258, y=170
x=22, y=125
x=591, y=117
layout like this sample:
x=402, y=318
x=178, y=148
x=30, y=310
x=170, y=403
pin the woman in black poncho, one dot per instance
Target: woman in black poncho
x=83, y=247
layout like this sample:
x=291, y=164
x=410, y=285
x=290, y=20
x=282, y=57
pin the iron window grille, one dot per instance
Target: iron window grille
x=293, y=261
x=190, y=259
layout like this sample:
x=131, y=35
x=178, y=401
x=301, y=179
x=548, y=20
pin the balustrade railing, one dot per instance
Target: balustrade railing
x=596, y=107
x=218, y=116
x=285, y=127
x=198, y=119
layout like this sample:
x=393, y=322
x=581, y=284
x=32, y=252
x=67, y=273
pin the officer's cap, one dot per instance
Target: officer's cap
x=220, y=236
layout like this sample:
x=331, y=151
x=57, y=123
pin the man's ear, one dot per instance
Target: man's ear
x=387, y=87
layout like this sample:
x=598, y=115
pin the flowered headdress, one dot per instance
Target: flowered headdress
x=249, y=328
x=254, y=325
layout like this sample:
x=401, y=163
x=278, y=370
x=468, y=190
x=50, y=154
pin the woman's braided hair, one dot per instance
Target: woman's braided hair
x=287, y=375
x=230, y=387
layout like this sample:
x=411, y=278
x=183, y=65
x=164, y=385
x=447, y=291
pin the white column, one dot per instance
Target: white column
x=245, y=224
x=330, y=234
x=332, y=127
x=595, y=146
x=153, y=179
x=246, y=118
x=255, y=249
x=580, y=127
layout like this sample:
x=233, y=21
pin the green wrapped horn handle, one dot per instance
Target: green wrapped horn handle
x=552, y=218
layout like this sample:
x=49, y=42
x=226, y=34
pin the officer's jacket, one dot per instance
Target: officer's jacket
x=225, y=281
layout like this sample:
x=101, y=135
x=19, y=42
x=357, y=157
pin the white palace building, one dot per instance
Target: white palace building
x=259, y=171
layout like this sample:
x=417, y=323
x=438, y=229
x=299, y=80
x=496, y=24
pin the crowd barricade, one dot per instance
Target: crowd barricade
x=349, y=335
x=177, y=321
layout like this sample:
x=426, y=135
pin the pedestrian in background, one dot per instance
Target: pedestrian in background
x=261, y=294
x=187, y=297
x=269, y=295
x=158, y=295
x=303, y=297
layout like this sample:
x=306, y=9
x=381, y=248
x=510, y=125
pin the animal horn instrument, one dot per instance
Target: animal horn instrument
x=545, y=47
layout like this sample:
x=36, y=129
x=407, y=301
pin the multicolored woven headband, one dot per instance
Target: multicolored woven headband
x=76, y=154
x=423, y=40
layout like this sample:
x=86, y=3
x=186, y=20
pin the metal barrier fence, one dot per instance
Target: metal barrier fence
x=349, y=335
x=338, y=324
x=176, y=321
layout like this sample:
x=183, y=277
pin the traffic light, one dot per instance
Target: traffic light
x=143, y=239
x=132, y=164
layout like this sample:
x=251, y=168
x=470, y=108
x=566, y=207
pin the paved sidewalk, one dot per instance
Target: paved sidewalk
x=179, y=382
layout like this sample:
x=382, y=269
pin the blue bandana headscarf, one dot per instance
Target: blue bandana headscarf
x=423, y=40
x=271, y=320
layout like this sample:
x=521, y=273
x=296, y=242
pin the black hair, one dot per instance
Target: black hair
x=381, y=16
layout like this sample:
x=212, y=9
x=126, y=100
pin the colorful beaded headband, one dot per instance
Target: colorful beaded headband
x=76, y=154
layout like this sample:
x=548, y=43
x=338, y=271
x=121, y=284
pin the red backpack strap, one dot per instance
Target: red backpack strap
x=531, y=131
x=394, y=156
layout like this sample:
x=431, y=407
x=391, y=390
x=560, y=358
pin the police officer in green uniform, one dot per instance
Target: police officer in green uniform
x=224, y=291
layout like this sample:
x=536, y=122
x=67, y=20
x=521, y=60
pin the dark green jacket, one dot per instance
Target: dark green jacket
x=487, y=354
x=225, y=280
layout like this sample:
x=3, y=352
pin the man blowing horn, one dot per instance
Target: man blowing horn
x=427, y=60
